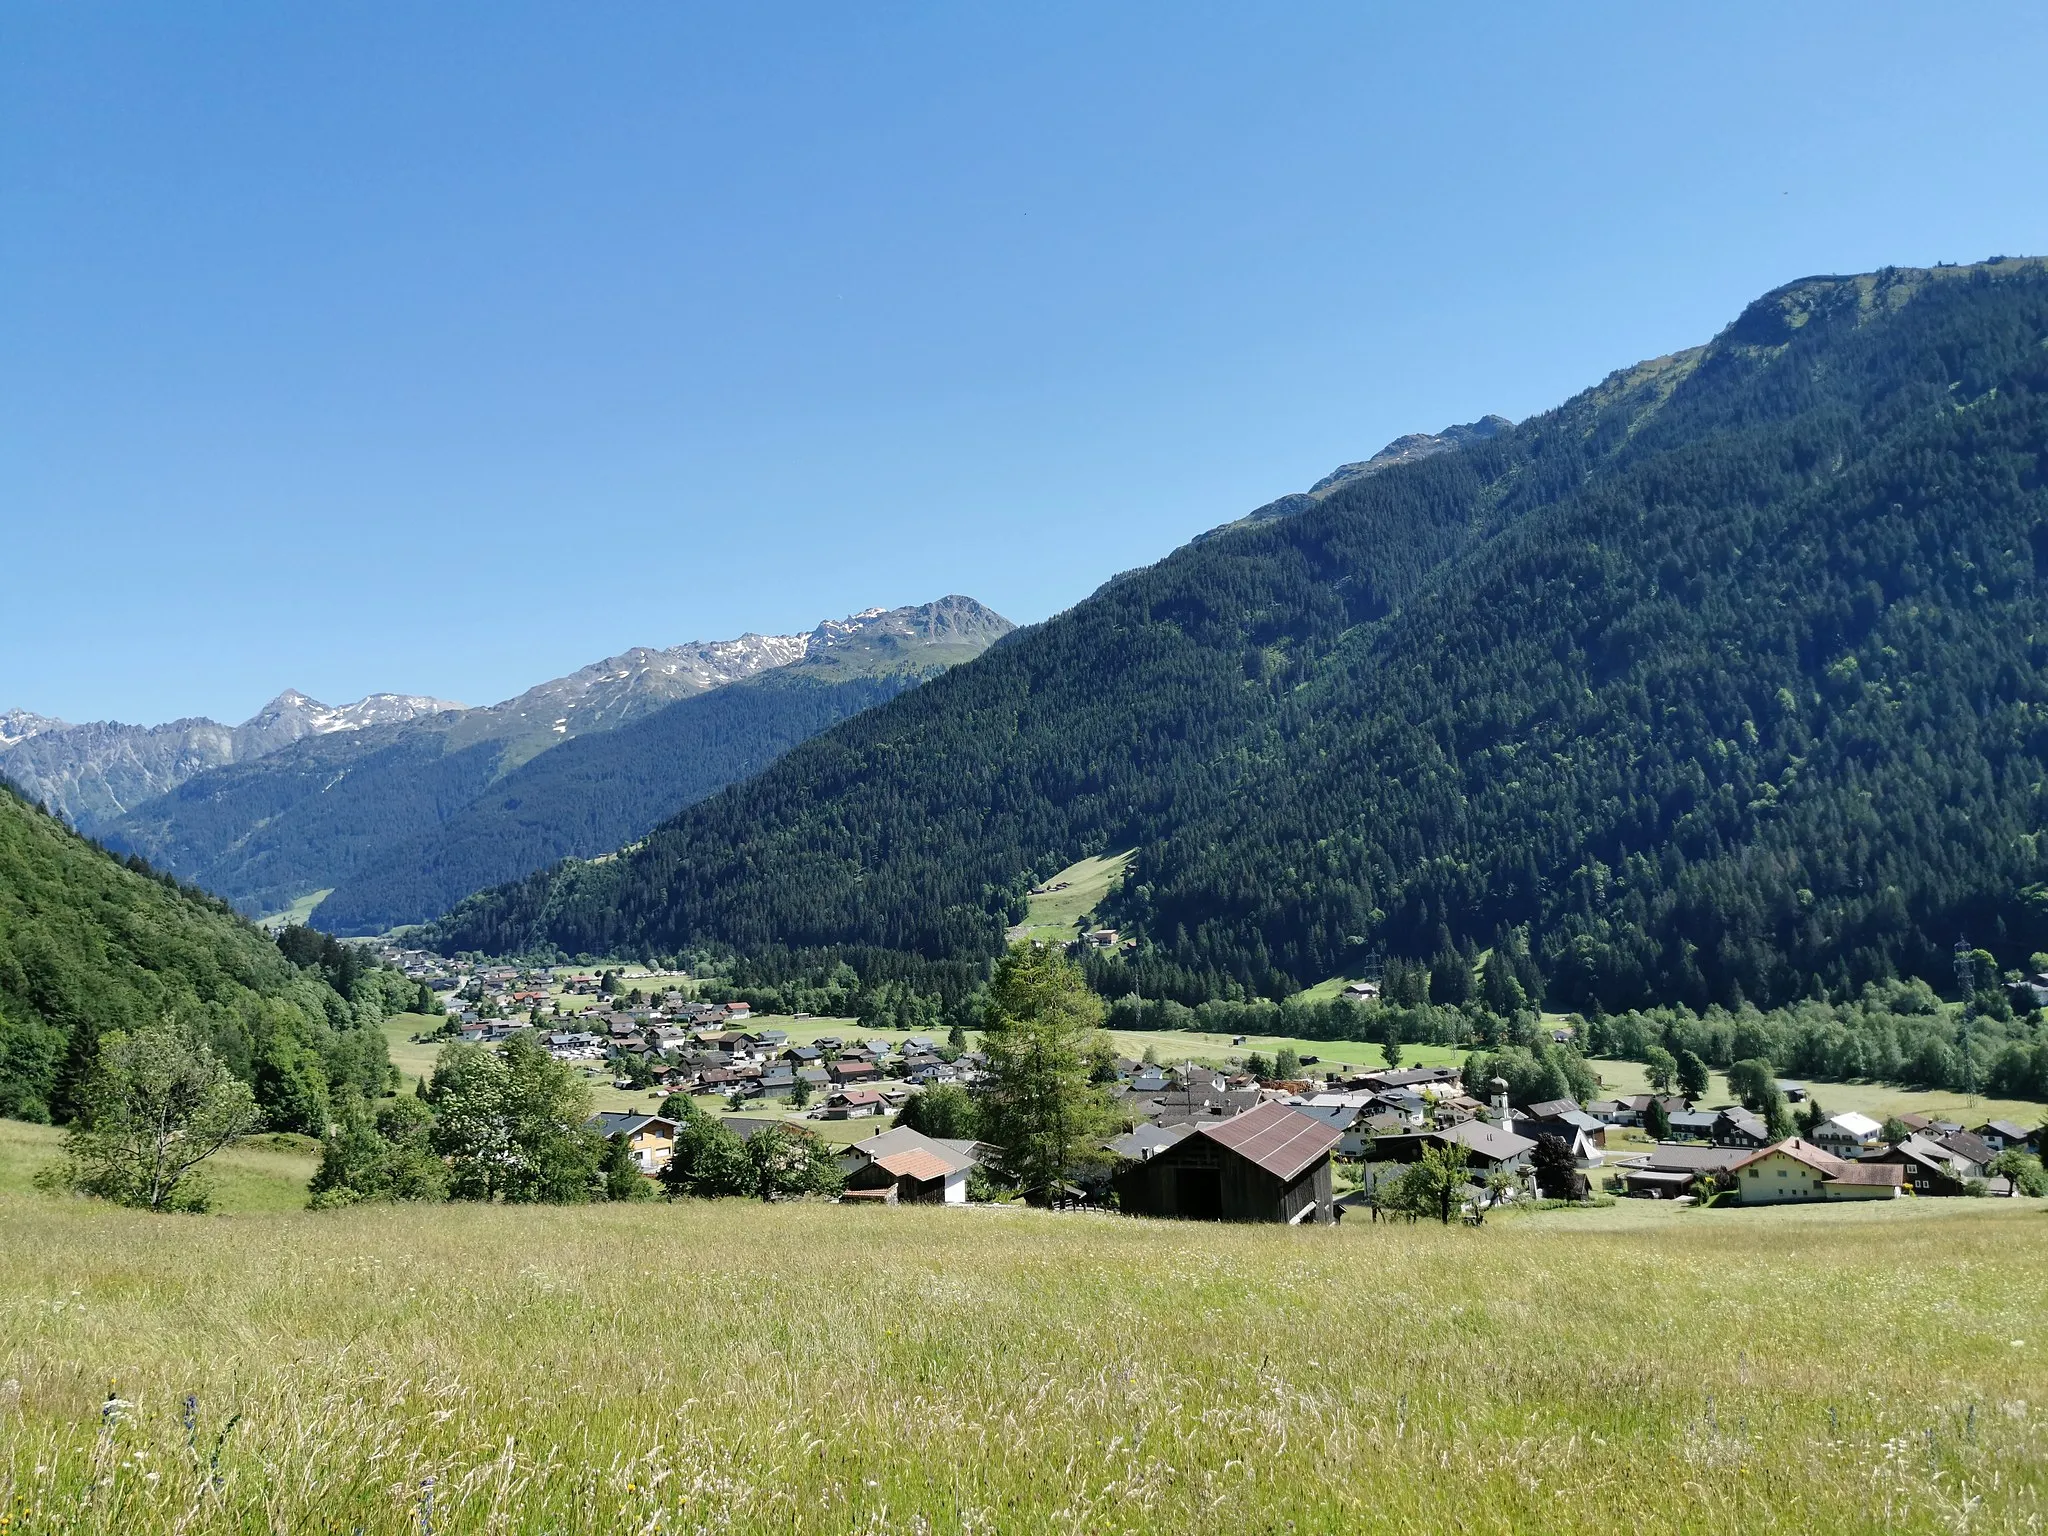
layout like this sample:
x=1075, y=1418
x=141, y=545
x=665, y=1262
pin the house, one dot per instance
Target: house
x=1362, y=992
x=1695, y=1124
x=1738, y=1127
x=1630, y=1110
x=650, y=1138
x=846, y=1070
x=1271, y=1163
x=1795, y=1093
x=1346, y=1123
x=1847, y=1135
x=1586, y=1145
x=1432, y=1082
x=1669, y=1169
x=1974, y=1151
x=2003, y=1135
x=1184, y=1107
x=920, y=1169
x=1487, y=1147
x=1554, y=1109
x=1928, y=1167
x=853, y=1104
x=1794, y=1170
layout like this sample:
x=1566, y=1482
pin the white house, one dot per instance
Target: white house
x=1847, y=1135
x=912, y=1165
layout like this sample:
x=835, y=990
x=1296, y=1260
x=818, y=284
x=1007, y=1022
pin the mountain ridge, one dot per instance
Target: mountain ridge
x=1618, y=678
x=317, y=813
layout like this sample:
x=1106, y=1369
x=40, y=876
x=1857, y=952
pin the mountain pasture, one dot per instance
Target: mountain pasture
x=796, y=1368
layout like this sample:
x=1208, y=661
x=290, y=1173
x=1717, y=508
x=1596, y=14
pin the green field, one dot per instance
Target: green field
x=803, y=1368
x=1054, y=915
x=261, y=1173
x=299, y=911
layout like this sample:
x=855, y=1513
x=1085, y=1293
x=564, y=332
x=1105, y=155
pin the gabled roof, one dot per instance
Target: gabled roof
x=953, y=1156
x=610, y=1123
x=1973, y=1147
x=1831, y=1168
x=2006, y=1129
x=1275, y=1137
x=1862, y=1127
x=1554, y=1109
x=915, y=1163
x=1149, y=1138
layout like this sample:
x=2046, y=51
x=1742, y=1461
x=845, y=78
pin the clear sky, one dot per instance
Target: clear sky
x=446, y=348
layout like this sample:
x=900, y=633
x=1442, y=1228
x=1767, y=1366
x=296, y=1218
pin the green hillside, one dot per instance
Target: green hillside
x=1725, y=679
x=88, y=945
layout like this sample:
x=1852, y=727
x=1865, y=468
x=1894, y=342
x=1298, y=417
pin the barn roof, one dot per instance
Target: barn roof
x=1277, y=1137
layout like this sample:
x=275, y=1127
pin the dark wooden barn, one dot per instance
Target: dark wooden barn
x=1267, y=1164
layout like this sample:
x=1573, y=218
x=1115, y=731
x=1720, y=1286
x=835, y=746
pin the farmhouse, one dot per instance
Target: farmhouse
x=1846, y=1135
x=853, y=1104
x=1796, y=1170
x=915, y=1168
x=1271, y=1163
x=650, y=1138
x=1487, y=1147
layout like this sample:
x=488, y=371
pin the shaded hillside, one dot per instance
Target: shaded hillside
x=401, y=821
x=89, y=945
x=1725, y=678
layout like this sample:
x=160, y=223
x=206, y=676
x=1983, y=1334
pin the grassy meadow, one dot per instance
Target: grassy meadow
x=1052, y=916
x=798, y=1368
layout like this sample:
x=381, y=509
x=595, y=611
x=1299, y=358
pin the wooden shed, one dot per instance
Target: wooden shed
x=1267, y=1164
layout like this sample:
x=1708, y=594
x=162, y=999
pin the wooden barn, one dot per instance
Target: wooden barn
x=1267, y=1164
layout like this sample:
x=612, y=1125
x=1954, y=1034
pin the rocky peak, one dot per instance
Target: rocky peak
x=20, y=724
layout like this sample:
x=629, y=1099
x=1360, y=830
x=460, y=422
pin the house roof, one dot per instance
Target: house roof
x=1747, y=1122
x=2004, y=1128
x=915, y=1163
x=858, y=1096
x=615, y=1123
x=1966, y=1144
x=1489, y=1141
x=1675, y=1158
x=953, y=1155
x=1149, y=1138
x=1275, y=1137
x=1862, y=1127
x=1554, y=1109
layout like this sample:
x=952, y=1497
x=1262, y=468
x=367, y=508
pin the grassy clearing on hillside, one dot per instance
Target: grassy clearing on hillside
x=1054, y=914
x=802, y=1368
x=300, y=911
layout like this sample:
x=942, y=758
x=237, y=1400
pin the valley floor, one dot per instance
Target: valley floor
x=817, y=1368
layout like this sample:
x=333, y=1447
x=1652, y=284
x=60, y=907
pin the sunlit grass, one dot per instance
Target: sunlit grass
x=812, y=1368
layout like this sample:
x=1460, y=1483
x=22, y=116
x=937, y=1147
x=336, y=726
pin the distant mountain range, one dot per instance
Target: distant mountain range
x=303, y=798
x=93, y=773
x=1725, y=681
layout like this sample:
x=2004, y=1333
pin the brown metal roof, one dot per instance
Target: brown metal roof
x=916, y=1163
x=1277, y=1137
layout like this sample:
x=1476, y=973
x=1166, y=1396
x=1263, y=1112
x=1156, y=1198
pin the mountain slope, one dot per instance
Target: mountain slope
x=88, y=945
x=594, y=793
x=1726, y=678
x=93, y=773
x=364, y=815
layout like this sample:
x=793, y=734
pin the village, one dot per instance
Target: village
x=1207, y=1142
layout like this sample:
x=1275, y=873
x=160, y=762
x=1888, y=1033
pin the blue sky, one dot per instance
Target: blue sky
x=443, y=349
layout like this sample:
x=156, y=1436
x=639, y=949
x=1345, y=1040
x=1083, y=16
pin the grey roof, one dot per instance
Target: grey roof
x=1149, y=1138
x=1555, y=1109
x=1674, y=1157
x=956, y=1155
x=610, y=1123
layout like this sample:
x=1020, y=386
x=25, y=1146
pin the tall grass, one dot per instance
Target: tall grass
x=808, y=1368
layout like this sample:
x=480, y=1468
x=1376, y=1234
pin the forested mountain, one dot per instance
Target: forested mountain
x=88, y=945
x=594, y=793
x=1725, y=680
x=93, y=773
x=400, y=821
